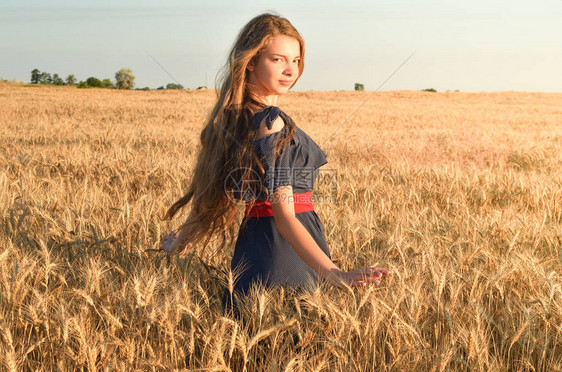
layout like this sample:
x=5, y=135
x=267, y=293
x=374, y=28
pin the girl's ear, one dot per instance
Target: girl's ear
x=250, y=66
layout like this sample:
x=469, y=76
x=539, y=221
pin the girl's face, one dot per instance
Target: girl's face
x=277, y=68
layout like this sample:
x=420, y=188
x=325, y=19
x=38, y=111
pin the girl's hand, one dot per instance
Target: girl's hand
x=167, y=244
x=358, y=277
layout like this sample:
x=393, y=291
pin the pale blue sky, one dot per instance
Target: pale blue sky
x=479, y=45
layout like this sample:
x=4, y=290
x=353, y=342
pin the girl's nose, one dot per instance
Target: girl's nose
x=291, y=69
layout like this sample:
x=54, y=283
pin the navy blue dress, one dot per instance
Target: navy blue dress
x=261, y=254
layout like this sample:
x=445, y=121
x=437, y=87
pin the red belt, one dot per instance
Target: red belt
x=262, y=208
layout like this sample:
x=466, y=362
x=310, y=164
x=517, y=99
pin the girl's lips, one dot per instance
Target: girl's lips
x=285, y=82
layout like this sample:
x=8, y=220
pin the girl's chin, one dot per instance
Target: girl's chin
x=283, y=88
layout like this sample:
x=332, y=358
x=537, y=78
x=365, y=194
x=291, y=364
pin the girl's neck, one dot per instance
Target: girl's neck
x=265, y=99
x=270, y=100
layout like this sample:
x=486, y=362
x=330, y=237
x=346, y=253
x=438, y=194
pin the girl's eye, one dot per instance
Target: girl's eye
x=281, y=60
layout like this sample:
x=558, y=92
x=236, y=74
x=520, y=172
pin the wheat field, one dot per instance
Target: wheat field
x=459, y=194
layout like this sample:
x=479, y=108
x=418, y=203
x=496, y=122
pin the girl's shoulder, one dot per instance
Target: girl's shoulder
x=269, y=120
x=266, y=128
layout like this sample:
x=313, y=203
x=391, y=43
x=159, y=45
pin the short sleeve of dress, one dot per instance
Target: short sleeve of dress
x=297, y=162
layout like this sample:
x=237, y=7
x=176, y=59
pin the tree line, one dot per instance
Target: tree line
x=124, y=79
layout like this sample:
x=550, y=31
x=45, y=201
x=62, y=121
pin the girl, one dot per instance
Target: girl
x=253, y=152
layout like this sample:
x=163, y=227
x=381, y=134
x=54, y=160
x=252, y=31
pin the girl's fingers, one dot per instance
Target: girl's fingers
x=171, y=236
x=371, y=274
x=364, y=276
x=363, y=283
x=378, y=271
x=372, y=280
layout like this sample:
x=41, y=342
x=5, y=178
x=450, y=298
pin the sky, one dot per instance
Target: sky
x=473, y=46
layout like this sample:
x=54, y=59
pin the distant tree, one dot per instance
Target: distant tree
x=71, y=80
x=174, y=86
x=359, y=86
x=160, y=88
x=57, y=80
x=93, y=82
x=82, y=85
x=45, y=78
x=35, y=76
x=124, y=79
x=106, y=83
x=429, y=90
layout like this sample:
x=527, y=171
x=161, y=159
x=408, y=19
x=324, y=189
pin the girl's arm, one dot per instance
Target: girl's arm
x=308, y=250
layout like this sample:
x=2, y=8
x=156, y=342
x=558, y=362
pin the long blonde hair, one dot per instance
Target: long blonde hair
x=226, y=140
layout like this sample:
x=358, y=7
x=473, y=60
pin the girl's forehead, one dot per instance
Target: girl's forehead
x=285, y=45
